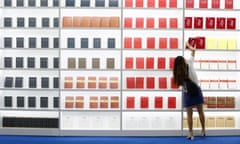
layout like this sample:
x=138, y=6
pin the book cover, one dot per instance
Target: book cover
x=68, y=82
x=198, y=22
x=86, y=21
x=93, y=104
x=215, y=4
x=200, y=42
x=95, y=63
x=84, y=42
x=67, y=21
x=171, y=102
x=7, y=42
x=230, y=102
x=151, y=3
x=173, y=23
x=158, y=102
x=161, y=63
x=230, y=122
x=80, y=82
x=203, y=3
x=18, y=82
x=44, y=42
x=7, y=62
x=7, y=101
x=150, y=82
x=31, y=102
x=99, y=3
x=221, y=22
x=150, y=62
x=31, y=62
x=162, y=82
x=69, y=101
x=130, y=82
x=96, y=21
x=79, y=102
x=189, y=4
x=105, y=22
x=113, y=82
x=212, y=102
x=55, y=62
x=173, y=43
x=71, y=63
x=20, y=42
x=188, y=22
x=96, y=42
x=130, y=102
x=127, y=42
x=191, y=41
x=76, y=21
x=43, y=62
x=139, y=22
x=8, y=83
x=102, y=82
x=20, y=101
x=104, y=102
x=56, y=42
x=127, y=22
x=114, y=22
x=111, y=43
x=221, y=102
x=150, y=22
x=55, y=102
x=231, y=23
x=114, y=102
x=171, y=62
x=150, y=42
x=82, y=63
x=172, y=3
x=162, y=23
x=162, y=3
x=113, y=3
x=32, y=22
x=32, y=82
x=19, y=62
x=137, y=42
x=129, y=62
x=139, y=62
x=162, y=43
x=140, y=82
x=128, y=3
x=139, y=3
x=229, y=4
x=44, y=102
x=85, y=3
x=231, y=43
x=144, y=102
x=44, y=82
x=173, y=85
x=32, y=42
x=110, y=63
x=92, y=82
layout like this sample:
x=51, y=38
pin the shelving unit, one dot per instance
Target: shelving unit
x=104, y=67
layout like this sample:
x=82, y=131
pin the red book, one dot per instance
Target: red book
x=188, y=22
x=91, y=82
x=231, y=23
x=93, y=103
x=189, y=4
x=203, y=3
x=200, y=42
x=228, y=4
x=198, y=22
x=173, y=85
x=144, y=102
x=69, y=101
x=158, y=102
x=173, y=23
x=137, y=42
x=130, y=102
x=127, y=22
x=113, y=82
x=162, y=3
x=173, y=43
x=150, y=63
x=139, y=3
x=151, y=42
x=162, y=82
x=104, y=102
x=140, y=82
x=210, y=22
x=162, y=43
x=129, y=62
x=128, y=3
x=131, y=82
x=221, y=22
x=171, y=62
x=102, y=82
x=79, y=102
x=139, y=62
x=216, y=4
x=80, y=82
x=161, y=62
x=127, y=42
x=171, y=102
x=162, y=23
x=151, y=3
x=192, y=42
x=68, y=82
x=114, y=102
x=150, y=82
x=172, y=3
x=139, y=22
x=150, y=22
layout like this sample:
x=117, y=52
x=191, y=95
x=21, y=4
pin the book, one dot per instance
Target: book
x=158, y=102
x=31, y=102
x=93, y=103
x=104, y=102
x=85, y=3
x=20, y=3
x=70, y=3
x=68, y=82
x=130, y=102
x=162, y=81
x=191, y=41
x=139, y=3
x=113, y=82
x=55, y=82
x=56, y=22
x=228, y=4
x=55, y=102
x=8, y=83
x=56, y=42
x=150, y=22
x=173, y=4
x=92, y=82
x=171, y=102
x=150, y=82
x=188, y=22
x=105, y=22
x=139, y=62
x=84, y=42
x=19, y=42
x=99, y=3
x=200, y=42
x=212, y=102
x=20, y=101
x=151, y=3
x=221, y=22
x=82, y=63
x=96, y=63
x=7, y=42
x=215, y=4
x=231, y=43
x=230, y=102
x=144, y=102
x=189, y=4
x=221, y=102
x=43, y=62
x=8, y=101
x=139, y=22
x=76, y=21
x=102, y=82
x=173, y=85
x=231, y=23
x=32, y=42
x=80, y=82
x=161, y=63
x=32, y=82
x=128, y=3
x=70, y=42
x=7, y=22
x=69, y=101
x=139, y=82
x=18, y=82
x=55, y=3
x=203, y=3
x=96, y=42
x=114, y=102
x=44, y=82
x=129, y=62
x=31, y=3
x=113, y=3
x=111, y=43
x=230, y=122
x=130, y=82
x=114, y=20
x=110, y=63
x=162, y=43
x=31, y=22
x=7, y=3
x=19, y=62
x=79, y=102
x=44, y=42
x=211, y=43
x=67, y=21
x=198, y=22
x=127, y=22
x=137, y=42
x=7, y=62
x=173, y=43
x=151, y=42
x=162, y=3
x=45, y=22
x=43, y=102
x=150, y=62
x=171, y=62
x=55, y=62
x=71, y=63
x=173, y=23
x=86, y=21
x=31, y=62
x=20, y=22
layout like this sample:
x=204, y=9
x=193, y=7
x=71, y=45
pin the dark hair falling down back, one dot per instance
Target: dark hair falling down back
x=180, y=70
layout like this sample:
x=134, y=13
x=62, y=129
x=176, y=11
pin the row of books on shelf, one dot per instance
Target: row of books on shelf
x=31, y=62
x=148, y=62
x=96, y=63
x=151, y=4
x=93, y=102
x=149, y=82
x=219, y=102
x=30, y=102
x=91, y=21
x=220, y=23
x=31, y=22
x=216, y=64
x=212, y=122
x=218, y=83
x=214, y=4
x=91, y=82
x=151, y=42
x=31, y=3
x=32, y=82
x=151, y=22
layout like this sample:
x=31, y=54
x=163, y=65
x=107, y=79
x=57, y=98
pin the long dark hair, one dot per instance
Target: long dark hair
x=180, y=70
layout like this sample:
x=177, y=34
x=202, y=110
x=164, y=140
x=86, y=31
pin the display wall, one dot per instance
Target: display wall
x=104, y=67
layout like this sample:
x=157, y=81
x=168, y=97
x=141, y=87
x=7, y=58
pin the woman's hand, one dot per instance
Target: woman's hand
x=193, y=49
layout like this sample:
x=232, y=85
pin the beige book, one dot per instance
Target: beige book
x=82, y=63
x=232, y=44
x=222, y=43
x=210, y=122
x=211, y=43
x=67, y=21
x=220, y=122
x=230, y=122
x=114, y=22
x=71, y=62
x=95, y=63
x=110, y=63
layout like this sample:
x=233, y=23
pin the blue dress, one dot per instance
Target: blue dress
x=192, y=100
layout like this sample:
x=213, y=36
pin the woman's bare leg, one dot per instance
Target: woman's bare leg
x=201, y=117
x=190, y=120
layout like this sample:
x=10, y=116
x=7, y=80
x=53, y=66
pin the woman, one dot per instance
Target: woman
x=184, y=70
